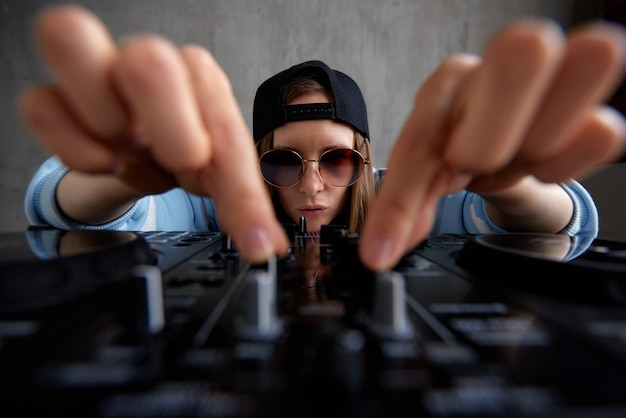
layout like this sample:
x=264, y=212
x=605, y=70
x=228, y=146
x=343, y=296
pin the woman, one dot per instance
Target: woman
x=334, y=185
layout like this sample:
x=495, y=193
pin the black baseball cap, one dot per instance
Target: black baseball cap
x=270, y=112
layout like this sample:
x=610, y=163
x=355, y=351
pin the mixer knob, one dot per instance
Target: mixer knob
x=260, y=317
x=150, y=314
x=389, y=313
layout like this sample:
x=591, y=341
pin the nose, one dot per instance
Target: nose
x=311, y=182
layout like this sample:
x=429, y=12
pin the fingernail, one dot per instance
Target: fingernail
x=379, y=251
x=256, y=245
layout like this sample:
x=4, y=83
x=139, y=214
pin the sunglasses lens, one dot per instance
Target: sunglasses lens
x=281, y=168
x=341, y=167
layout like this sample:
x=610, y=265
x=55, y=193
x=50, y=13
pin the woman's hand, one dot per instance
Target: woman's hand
x=531, y=106
x=149, y=116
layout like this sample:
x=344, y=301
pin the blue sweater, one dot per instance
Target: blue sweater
x=178, y=210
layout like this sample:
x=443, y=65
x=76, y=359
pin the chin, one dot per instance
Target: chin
x=314, y=227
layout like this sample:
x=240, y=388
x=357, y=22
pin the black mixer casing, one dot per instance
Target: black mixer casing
x=184, y=327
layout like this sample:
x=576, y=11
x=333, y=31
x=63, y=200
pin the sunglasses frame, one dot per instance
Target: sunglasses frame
x=364, y=160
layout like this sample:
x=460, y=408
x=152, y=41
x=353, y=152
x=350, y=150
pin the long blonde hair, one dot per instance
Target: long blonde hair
x=363, y=191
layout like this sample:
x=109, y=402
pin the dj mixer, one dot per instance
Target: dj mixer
x=177, y=324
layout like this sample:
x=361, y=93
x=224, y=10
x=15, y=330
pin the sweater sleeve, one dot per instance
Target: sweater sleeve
x=175, y=210
x=41, y=206
x=466, y=213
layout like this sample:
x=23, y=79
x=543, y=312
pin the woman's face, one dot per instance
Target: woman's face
x=318, y=202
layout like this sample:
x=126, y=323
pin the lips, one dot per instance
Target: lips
x=311, y=211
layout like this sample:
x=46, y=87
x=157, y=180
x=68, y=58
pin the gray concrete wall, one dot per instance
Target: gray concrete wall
x=388, y=46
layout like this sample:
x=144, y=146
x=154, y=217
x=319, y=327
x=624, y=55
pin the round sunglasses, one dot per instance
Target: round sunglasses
x=336, y=167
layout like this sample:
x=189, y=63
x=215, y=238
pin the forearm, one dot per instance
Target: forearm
x=530, y=205
x=92, y=199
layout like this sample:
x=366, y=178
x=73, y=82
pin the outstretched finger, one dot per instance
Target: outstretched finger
x=48, y=117
x=414, y=165
x=500, y=100
x=81, y=54
x=600, y=140
x=155, y=82
x=232, y=177
x=593, y=65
